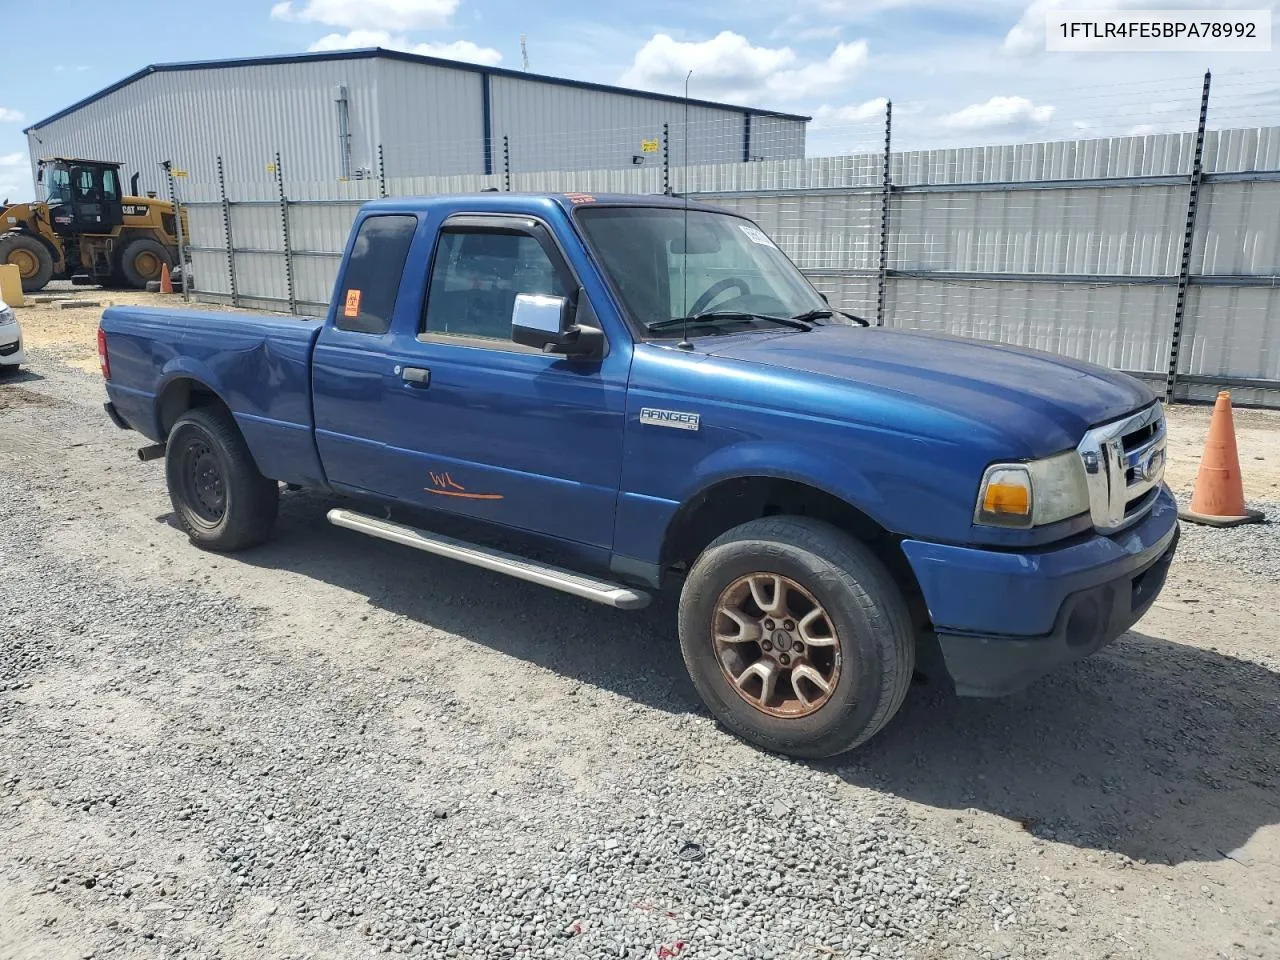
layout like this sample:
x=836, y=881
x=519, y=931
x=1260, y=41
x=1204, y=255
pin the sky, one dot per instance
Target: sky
x=959, y=72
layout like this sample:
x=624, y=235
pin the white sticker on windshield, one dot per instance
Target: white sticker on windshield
x=755, y=234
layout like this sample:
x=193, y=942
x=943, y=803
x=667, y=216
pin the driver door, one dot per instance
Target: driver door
x=467, y=421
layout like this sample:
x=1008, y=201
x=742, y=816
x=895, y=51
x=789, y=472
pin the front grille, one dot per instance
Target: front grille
x=1124, y=464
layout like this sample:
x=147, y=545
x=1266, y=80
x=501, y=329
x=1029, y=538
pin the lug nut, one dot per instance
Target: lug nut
x=767, y=645
x=788, y=625
x=797, y=647
x=768, y=624
x=784, y=659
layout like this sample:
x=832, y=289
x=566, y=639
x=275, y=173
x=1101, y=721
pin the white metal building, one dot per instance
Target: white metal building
x=327, y=114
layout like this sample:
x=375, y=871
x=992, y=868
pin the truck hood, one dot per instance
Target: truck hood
x=1044, y=401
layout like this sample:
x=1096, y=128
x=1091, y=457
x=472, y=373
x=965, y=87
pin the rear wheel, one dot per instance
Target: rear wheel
x=219, y=496
x=796, y=636
x=31, y=257
x=142, y=260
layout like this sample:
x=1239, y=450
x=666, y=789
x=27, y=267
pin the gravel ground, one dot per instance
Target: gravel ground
x=331, y=747
x=1253, y=549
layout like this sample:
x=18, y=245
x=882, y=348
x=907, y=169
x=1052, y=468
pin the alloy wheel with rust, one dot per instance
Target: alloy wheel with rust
x=776, y=644
x=796, y=636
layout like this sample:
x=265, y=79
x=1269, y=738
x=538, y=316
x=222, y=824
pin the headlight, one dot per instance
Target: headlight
x=7, y=315
x=1032, y=494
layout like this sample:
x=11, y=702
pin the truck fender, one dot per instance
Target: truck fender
x=786, y=461
x=177, y=369
x=646, y=532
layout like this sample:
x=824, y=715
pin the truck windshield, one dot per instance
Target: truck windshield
x=719, y=264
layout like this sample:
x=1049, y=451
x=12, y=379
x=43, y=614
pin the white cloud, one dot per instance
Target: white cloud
x=999, y=112
x=832, y=74
x=826, y=117
x=726, y=60
x=728, y=65
x=457, y=50
x=9, y=116
x=13, y=160
x=368, y=14
x=78, y=68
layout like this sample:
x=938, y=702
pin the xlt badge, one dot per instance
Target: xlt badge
x=676, y=419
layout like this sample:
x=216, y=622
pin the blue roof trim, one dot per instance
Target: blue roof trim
x=373, y=52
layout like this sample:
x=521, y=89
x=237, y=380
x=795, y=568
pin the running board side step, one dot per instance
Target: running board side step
x=589, y=588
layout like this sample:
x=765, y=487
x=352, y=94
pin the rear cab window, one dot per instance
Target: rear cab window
x=371, y=280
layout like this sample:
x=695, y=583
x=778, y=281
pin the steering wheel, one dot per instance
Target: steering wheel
x=717, y=288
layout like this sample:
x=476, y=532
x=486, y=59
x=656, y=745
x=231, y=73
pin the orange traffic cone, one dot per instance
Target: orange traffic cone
x=1219, y=495
x=166, y=282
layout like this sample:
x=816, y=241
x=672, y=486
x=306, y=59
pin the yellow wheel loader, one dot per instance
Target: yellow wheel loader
x=87, y=230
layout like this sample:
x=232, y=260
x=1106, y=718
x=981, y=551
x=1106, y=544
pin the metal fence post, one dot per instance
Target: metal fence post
x=506, y=163
x=1188, y=240
x=284, y=234
x=666, y=159
x=177, y=220
x=382, y=173
x=886, y=188
x=226, y=229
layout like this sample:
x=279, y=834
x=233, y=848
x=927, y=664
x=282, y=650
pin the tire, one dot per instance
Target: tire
x=863, y=633
x=33, y=259
x=221, y=500
x=141, y=260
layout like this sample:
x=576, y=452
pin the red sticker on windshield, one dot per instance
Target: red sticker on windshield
x=352, y=307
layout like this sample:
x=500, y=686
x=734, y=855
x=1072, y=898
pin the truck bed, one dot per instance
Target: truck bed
x=259, y=365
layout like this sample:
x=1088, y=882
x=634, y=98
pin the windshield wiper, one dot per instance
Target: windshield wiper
x=813, y=316
x=705, y=319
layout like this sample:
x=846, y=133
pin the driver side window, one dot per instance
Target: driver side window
x=476, y=277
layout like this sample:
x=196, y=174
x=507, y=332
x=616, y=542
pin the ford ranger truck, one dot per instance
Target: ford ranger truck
x=650, y=392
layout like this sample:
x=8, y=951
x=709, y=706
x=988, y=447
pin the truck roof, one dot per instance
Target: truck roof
x=498, y=202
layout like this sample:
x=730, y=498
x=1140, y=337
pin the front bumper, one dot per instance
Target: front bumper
x=1004, y=619
x=11, y=352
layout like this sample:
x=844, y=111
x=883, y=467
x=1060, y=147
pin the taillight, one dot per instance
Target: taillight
x=102, y=354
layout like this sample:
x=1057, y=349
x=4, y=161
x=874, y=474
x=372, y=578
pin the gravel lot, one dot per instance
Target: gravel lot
x=330, y=746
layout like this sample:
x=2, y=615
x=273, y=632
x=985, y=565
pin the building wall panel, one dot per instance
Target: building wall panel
x=431, y=118
x=244, y=114
x=551, y=127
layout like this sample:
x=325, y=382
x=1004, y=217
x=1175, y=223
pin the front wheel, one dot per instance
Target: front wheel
x=143, y=260
x=220, y=498
x=796, y=636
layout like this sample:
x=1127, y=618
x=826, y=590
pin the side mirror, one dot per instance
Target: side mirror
x=552, y=325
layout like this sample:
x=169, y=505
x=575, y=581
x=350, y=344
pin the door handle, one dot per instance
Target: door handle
x=416, y=376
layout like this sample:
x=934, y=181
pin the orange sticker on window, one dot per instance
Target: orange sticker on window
x=352, y=306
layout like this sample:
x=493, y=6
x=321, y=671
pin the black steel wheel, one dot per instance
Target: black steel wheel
x=218, y=494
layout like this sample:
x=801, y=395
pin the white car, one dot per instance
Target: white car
x=11, y=353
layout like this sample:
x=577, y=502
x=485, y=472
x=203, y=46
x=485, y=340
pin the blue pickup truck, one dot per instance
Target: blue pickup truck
x=649, y=390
